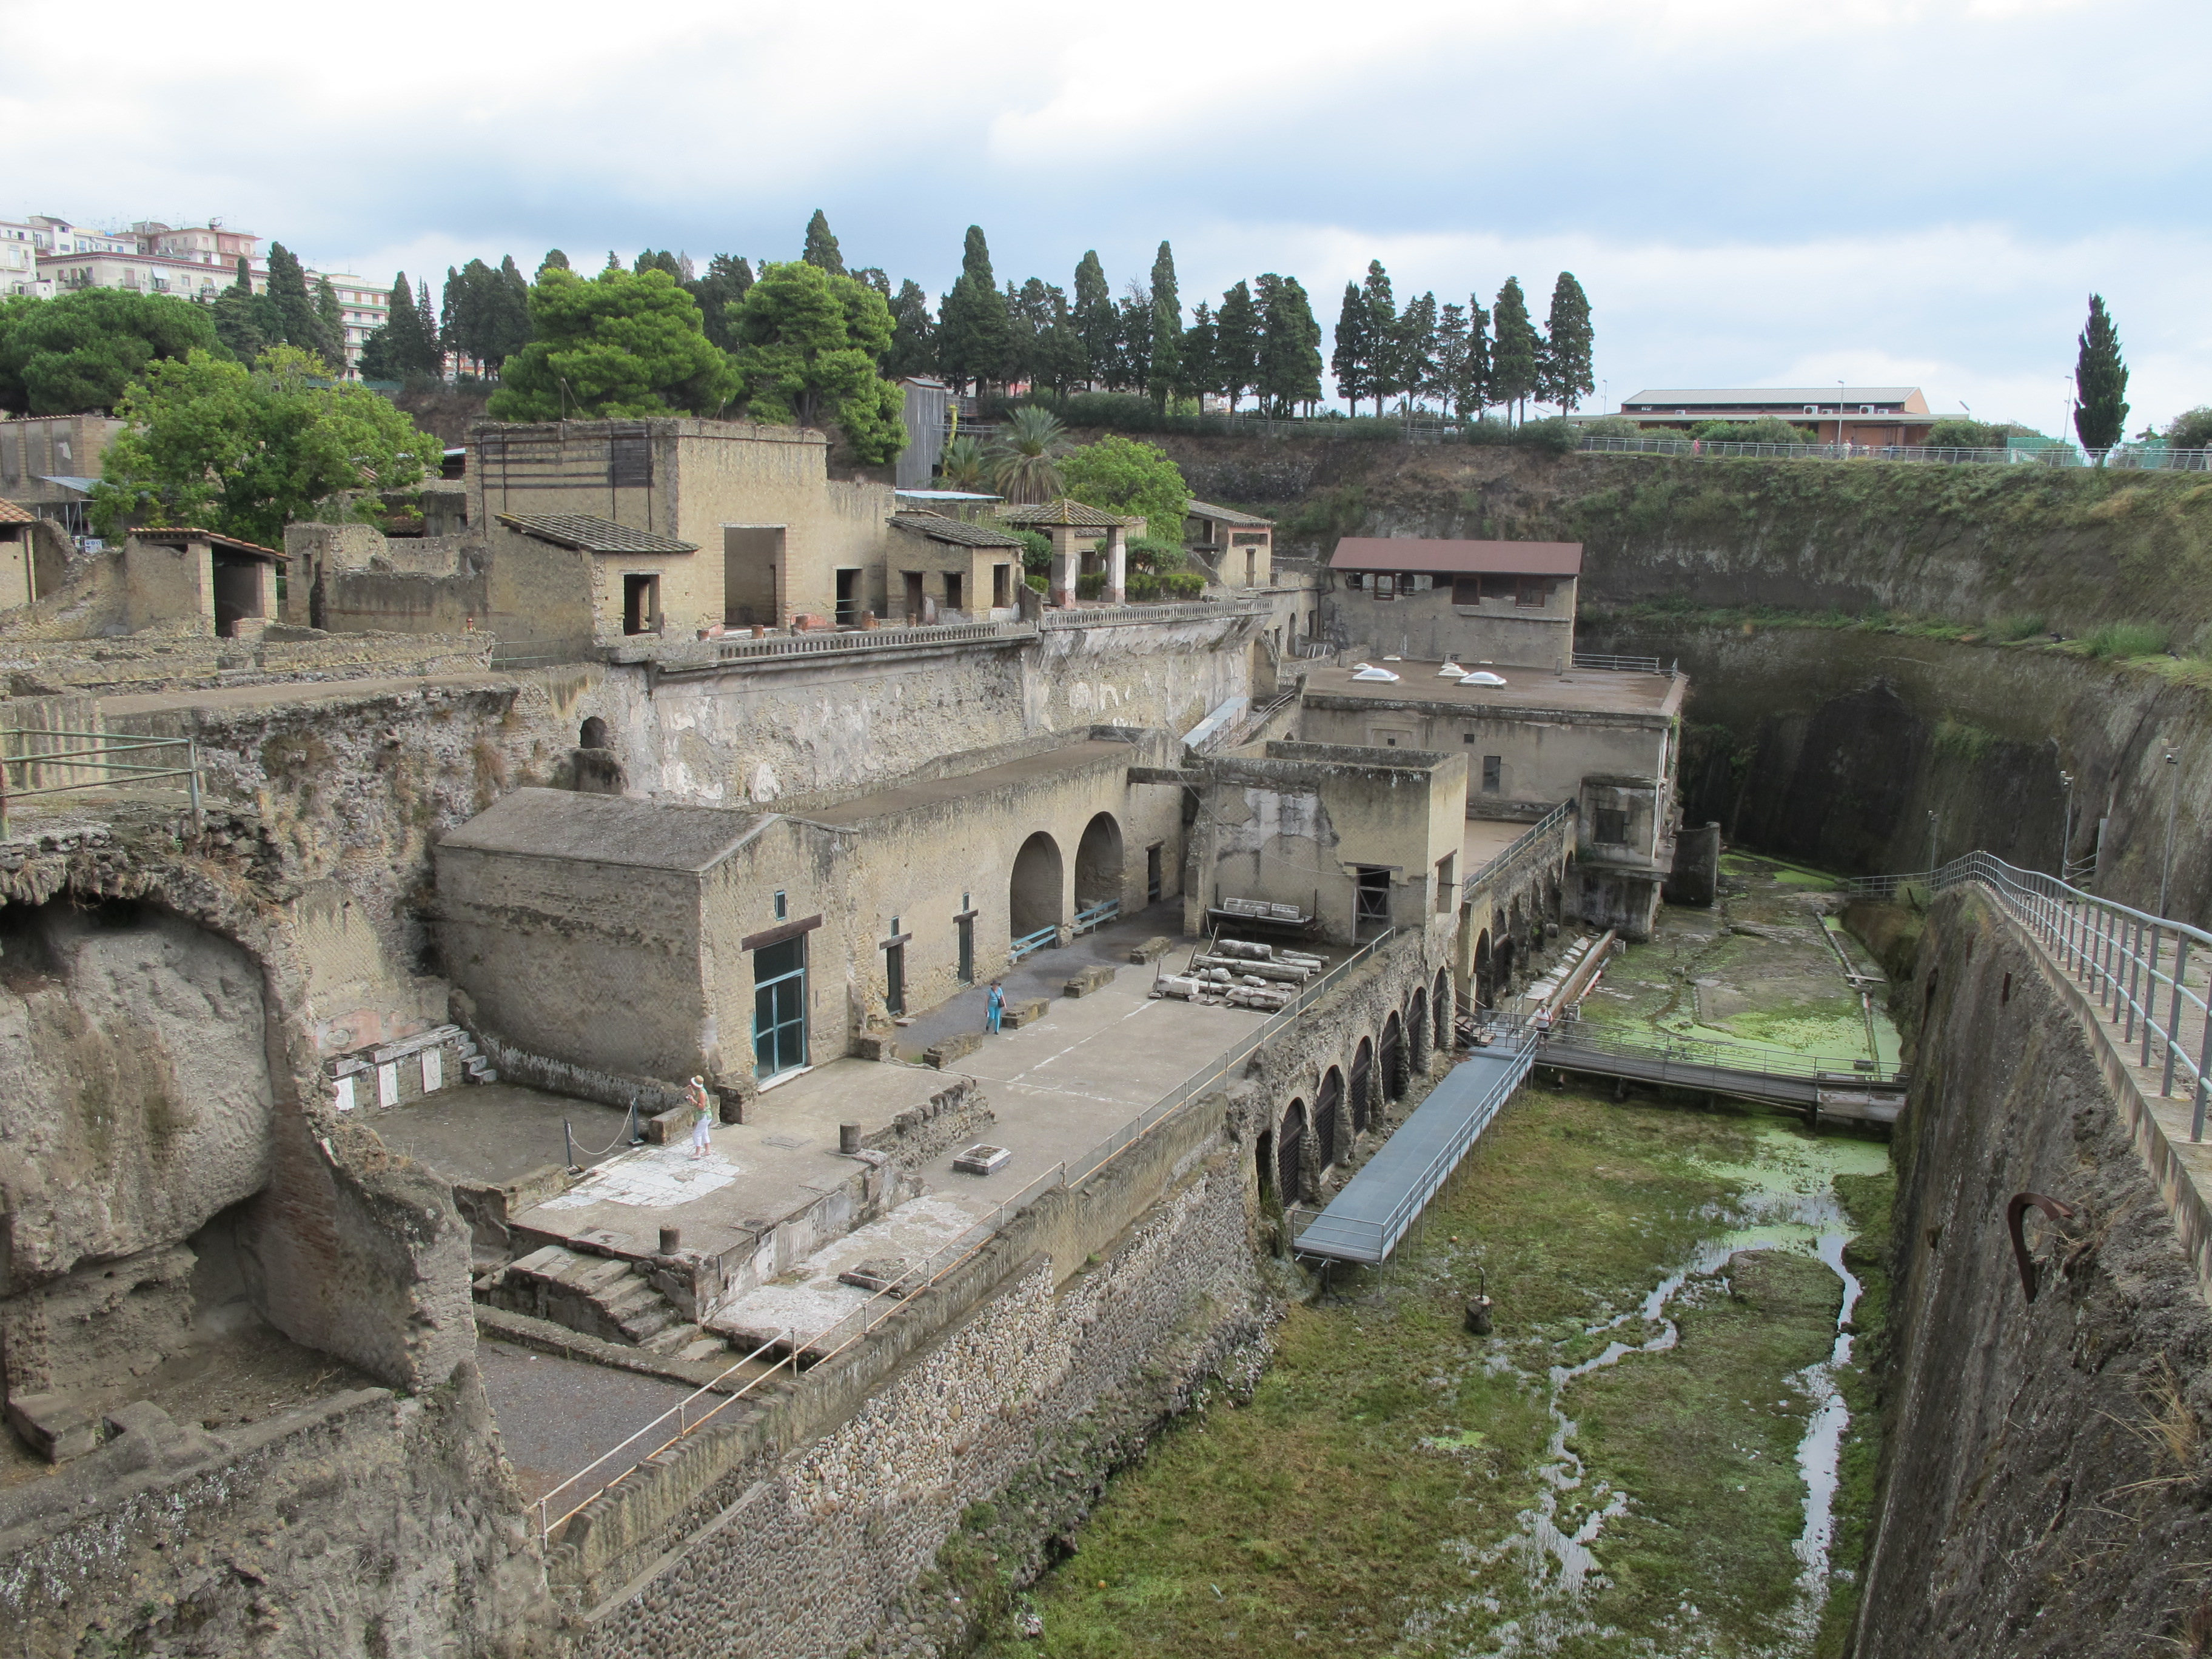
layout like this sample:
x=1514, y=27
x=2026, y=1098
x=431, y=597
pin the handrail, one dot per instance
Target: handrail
x=2112, y=951
x=104, y=747
x=1521, y=847
x=1097, y=915
x=1114, y=616
x=873, y=1312
x=1028, y=944
x=1610, y=662
x=1751, y=1058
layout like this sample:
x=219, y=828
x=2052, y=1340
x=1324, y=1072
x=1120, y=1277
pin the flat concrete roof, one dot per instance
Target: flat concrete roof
x=1526, y=691
x=1418, y=553
x=935, y=791
x=559, y=823
x=1484, y=840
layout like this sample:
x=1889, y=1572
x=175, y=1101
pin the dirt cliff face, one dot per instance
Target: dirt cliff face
x=2045, y=1474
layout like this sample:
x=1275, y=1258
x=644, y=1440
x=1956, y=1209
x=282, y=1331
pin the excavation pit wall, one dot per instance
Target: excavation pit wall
x=2043, y=1481
x=810, y=1520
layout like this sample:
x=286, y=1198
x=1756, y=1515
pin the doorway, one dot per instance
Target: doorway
x=1033, y=896
x=780, y=1008
x=849, y=598
x=966, y=928
x=237, y=591
x=915, y=601
x=1002, y=586
x=1153, y=889
x=895, y=979
x=1372, y=907
x=955, y=590
x=641, y=605
x=752, y=566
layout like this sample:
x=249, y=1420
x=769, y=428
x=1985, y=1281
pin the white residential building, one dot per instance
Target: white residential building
x=19, y=263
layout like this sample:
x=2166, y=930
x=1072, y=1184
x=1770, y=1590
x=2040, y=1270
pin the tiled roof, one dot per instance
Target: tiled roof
x=1063, y=512
x=177, y=534
x=11, y=513
x=1229, y=515
x=938, y=528
x=587, y=534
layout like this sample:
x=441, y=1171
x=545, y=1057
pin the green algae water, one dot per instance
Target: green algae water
x=1664, y=1448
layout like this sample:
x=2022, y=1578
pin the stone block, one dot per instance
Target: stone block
x=1027, y=1011
x=667, y=1128
x=57, y=1426
x=1082, y=982
x=877, y=1045
x=1152, y=950
x=942, y=1055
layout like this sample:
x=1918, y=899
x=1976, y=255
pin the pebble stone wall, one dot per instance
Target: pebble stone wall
x=820, y=1556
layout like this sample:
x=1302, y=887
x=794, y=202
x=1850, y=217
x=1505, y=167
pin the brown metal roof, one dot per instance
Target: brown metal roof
x=588, y=534
x=1063, y=512
x=939, y=527
x=178, y=535
x=1457, y=558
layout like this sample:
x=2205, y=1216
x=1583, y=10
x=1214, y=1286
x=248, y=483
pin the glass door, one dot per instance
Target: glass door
x=780, y=1008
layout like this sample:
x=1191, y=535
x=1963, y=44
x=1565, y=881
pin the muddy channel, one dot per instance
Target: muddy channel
x=1665, y=1445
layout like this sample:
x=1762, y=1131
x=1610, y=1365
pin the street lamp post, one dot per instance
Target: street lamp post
x=2066, y=834
x=2173, y=803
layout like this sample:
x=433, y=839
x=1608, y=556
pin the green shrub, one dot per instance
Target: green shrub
x=1615, y=426
x=2192, y=430
x=1554, y=436
x=1090, y=587
x=1767, y=429
x=2020, y=628
x=2116, y=640
x=1157, y=553
x=1183, y=584
x=1955, y=431
x=1040, y=580
x=1037, y=550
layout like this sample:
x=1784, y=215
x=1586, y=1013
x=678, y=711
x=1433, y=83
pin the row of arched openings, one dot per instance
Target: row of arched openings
x=1380, y=1071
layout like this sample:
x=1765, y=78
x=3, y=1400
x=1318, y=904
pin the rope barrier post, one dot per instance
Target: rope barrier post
x=568, y=1140
x=2174, y=1019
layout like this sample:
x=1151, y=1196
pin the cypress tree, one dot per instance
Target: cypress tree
x=913, y=334
x=329, y=326
x=2101, y=380
x=975, y=331
x=237, y=319
x=822, y=247
x=1569, y=345
x=1236, y=344
x=1353, y=360
x=1200, y=372
x=1449, y=367
x=426, y=330
x=1290, y=344
x=1472, y=395
x=1093, y=320
x=726, y=283
x=1414, y=347
x=1164, y=361
x=1515, y=358
x=1383, y=377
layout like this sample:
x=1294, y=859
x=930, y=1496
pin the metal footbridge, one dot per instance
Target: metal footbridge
x=1381, y=1201
x=1855, y=1091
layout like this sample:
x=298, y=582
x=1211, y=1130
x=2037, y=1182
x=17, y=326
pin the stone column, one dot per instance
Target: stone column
x=1063, y=565
x=1117, y=567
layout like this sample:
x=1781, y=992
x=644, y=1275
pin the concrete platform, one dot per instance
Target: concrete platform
x=491, y=1135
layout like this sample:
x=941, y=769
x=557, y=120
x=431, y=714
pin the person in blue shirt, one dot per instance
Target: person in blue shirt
x=994, y=1008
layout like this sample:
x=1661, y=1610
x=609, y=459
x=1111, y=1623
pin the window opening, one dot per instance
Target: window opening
x=1373, y=898
x=782, y=907
x=1493, y=772
x=849, y=598
x=640, y=604
x=780, y=1008
x=1611, y=827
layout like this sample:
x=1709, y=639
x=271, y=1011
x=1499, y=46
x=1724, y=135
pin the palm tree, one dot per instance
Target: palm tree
x=964, y=465
x=1024, y=463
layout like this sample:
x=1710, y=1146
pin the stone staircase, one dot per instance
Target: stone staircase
x=476, y=1065
x=600, y=1295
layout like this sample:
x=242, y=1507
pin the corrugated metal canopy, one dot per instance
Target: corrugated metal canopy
x=588, y=534
x=1457, y=558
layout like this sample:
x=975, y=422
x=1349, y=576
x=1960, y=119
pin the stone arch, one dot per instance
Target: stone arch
x=1328, y=1114
x=1417, y=1033
x=1033, y=892
x=1486, y=972
x=1099, y=862
x=593, y=735
x=1363, y=1086
x=1393, y=1057
x=1290, y=1151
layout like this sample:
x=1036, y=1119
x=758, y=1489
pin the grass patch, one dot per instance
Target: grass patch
x=1348, y=1507
x=2124, y=640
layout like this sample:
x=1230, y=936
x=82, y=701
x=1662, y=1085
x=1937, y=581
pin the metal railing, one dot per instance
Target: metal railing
x=1030, y=944
x=1113, y=615
x=1523, y=850
x=2124, y=457
x=1384, y=1235
x=1615, y=664
x=826, y=642
x=1097, y=916
x=25, y=751
x=1751, y=1059
x=855, y=1325
x=2126, y=960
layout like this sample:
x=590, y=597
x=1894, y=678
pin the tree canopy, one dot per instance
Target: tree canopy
x=1290, y=344
x=244, y=452
x=822, y=250
x=615, y=345
x=2101, y=380
x=285, y=313
x=1120, y=475
x=76, y=355
x=486, y=316
x=1164, y=361
x=808, y=344
x=1516, y=359
x=727, y=281
x=407, y=344
x=975, y=331
x=1568, y=344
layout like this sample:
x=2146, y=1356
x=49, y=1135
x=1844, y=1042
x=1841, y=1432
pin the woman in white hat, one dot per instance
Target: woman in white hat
x=703, y=1103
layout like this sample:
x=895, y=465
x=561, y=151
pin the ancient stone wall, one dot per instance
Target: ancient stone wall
x=363, y=1527
x=2045, y=1462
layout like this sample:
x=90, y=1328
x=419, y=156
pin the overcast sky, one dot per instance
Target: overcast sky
x=1752, y=191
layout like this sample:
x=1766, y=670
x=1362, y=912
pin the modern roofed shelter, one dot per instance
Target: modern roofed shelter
x=1474, y=602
